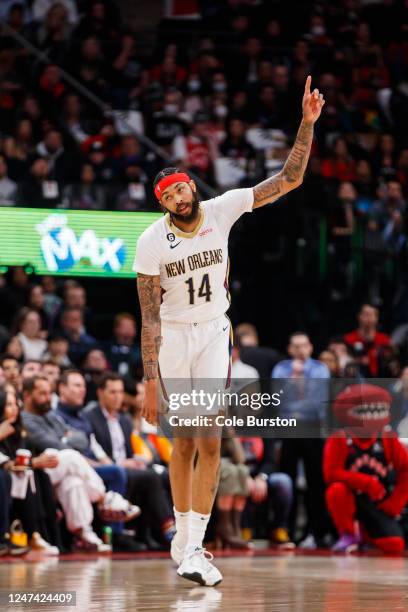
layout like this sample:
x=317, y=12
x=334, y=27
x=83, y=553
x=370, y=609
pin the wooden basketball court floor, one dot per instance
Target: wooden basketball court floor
x=268, y=582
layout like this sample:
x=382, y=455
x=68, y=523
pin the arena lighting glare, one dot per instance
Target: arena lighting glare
x=70, y=242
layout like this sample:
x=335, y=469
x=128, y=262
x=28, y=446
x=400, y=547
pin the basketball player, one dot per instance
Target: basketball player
x=181, y=263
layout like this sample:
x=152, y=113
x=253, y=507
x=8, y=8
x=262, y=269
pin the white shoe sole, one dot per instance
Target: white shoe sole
x=197, y=577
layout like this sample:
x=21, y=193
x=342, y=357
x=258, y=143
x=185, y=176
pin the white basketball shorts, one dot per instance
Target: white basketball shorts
x=196, y=351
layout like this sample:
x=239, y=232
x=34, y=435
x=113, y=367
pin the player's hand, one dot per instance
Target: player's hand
x=150, y=401
x=312, y=103
x=375, y=489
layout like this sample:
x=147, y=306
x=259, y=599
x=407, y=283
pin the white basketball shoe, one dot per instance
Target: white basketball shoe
x=176, y=552
x=196, y=566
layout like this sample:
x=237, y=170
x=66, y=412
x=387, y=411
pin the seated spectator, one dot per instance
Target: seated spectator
x=52, y=33
x=366, y=342
x=93, y=366
x=85, y=195
x=8, y=188
x=242, y=374
x=27, y=326
x=40, y=9
x=113, y=431
x=133, y=196
x=36, y=301
x=232, y=494
x=72, y=389
x=7, y=547
x=57, y=352
x=329, y=358
x=265, y=112
x=123, y=352
x=76, y=484
x=341, y=226
x=11, y=371
x=52, y=372
x=39, y=190
x=59, y=160
x=72, y=327
x=19, y=148
x=197, y=150
x=75, y=297
x=52, y=302
x=366, y=470
x=91, y=66
x=51, y=87
x=74, y=122
x=147, y=444
x=99, y=20
x=268, y=484
x=262, y=358
x=30, y=368
x=97, y=155
x=306, y=393
x=340, y=165
x=31, y=491
x=391, y=201
x=168, y=121
x=236, y=147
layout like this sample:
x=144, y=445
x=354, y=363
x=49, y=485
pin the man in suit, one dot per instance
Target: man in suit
x=113, y=430
x=76, y=484
x=71, y=392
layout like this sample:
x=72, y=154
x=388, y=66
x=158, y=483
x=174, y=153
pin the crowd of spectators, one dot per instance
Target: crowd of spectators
x=61, y=388
x=64, y=388
x=231, y=127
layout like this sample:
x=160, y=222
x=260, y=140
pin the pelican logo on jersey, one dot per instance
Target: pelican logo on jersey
x=61, y=248
x=198, y=260
x=206, y=231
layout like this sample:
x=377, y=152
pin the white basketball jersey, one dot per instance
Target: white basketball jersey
x=193, y=267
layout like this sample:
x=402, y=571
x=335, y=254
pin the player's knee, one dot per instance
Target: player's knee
x=185, y=449
x=210, y=449
x=393, y=544
x=336, y=493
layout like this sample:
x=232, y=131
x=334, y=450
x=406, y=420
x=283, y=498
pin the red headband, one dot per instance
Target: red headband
x=177, y=177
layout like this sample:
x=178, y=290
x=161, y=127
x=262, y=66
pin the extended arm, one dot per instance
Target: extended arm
x=291, y=176
x=150, y=297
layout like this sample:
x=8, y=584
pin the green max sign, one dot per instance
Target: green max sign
x=71, y=242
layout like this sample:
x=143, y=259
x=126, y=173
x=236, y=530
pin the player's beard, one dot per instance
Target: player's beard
x=195, y=206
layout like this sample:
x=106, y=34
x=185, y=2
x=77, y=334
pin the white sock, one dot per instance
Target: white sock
x=198, y=525
x=182, y=527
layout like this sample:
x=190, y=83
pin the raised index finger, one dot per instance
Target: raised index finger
x=307, y=85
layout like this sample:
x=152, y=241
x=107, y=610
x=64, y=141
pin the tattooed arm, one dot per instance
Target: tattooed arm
x=291, y=176
x=150, y=297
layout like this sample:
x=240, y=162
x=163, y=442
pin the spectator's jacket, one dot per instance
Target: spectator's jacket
x=79, y=348
x=49, y=431
x=74, y=420
x=123, y=358
x=355, y=340
x=305, y=398
x=336, y=457
x=100, y=428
